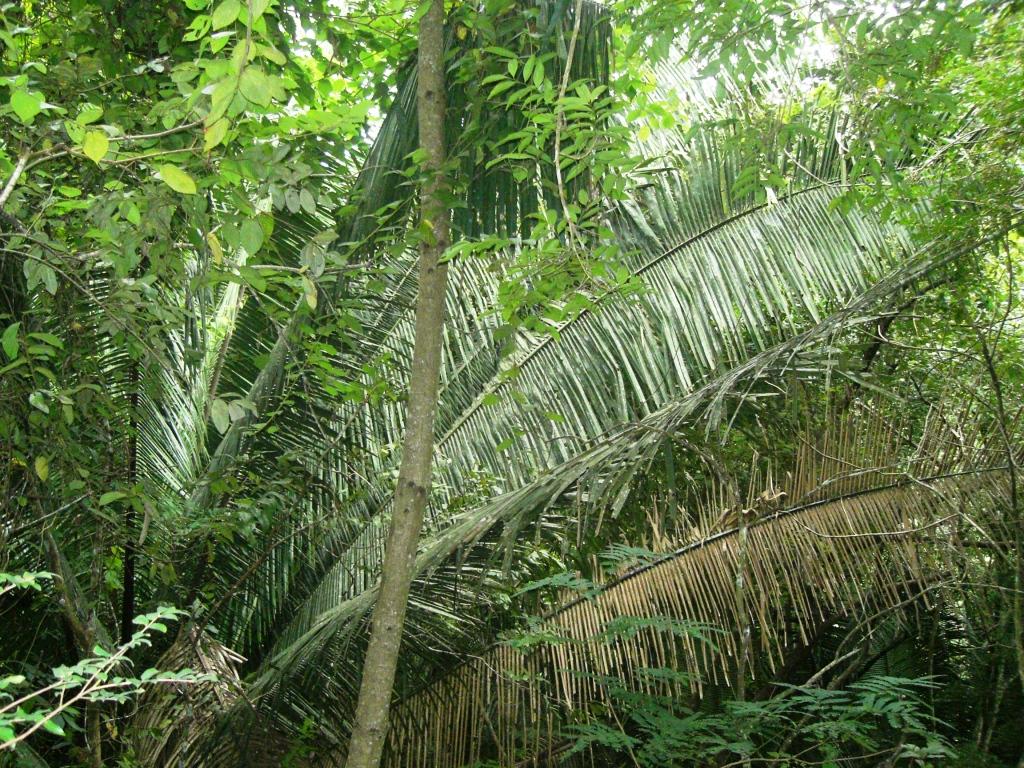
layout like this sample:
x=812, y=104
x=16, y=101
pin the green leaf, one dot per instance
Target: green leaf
x=38, y=401
x=309, y=291
x=258, y=7
x=220, y=415
x=421, y=11
x=52, y=727
x=271, y=53
x=76, y=131
x=42, y=465
x=38, y=272
x=89, y=113
x=500, y=88
x=314, y=253
x=216, y=250
x=225, y=13
x=177, y=179
x=251, y=236
x=307, y=201
x=254, y=86
x=236, y=411
x=110, y=497
x=538, y=74
x=26, y=105
x=221, y=98
x=9, y=340
x=95, y=145
x=215, y=134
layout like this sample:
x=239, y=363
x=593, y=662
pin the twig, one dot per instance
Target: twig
x=19, y=169
x=874, y=534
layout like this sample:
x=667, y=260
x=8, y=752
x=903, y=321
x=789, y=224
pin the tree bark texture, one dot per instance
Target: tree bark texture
x=370, y=728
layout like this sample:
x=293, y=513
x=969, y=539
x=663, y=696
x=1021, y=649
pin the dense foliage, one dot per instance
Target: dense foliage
x=726, y=461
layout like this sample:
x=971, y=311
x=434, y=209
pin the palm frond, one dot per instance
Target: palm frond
x=855, y=552
x=168, y=721
x=706, y=307
x=848, y=554
x=602, y=475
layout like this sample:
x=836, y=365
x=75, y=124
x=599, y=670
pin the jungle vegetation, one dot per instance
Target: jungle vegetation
x=511, y=383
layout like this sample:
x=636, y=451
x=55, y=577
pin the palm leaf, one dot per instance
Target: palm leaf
x=305, y=662
x=853, y=552
x=608, y=369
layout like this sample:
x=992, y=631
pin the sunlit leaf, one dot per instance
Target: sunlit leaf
x=95, y=145
x=177, y=179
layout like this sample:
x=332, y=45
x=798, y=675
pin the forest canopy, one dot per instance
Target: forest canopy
x=511, y=383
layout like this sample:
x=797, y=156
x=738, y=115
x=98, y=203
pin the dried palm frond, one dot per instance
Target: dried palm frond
x=170, y=719
x=850, y=553
x=314, y=659
x=859, y=540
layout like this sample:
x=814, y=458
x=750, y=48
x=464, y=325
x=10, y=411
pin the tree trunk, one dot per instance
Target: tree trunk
x=410, y=501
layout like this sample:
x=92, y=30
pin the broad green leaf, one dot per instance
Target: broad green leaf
x=421, y=11
x=48, y=338
x=177, y=179
x=220, y=415
x=307, y=201
x=309, y=291
x=236, y=411
x=538, y=74
x=95, y=145
x=501, y=87
x=271, y=53
x=215, y=133
x=314, y=254
x=220, y=39
x=89, y=113
x=26, y=105
x=75, y=131
x=38, y=401
x=216, y=250
x=110, y=497
x=254, y=86
x=221, y=98
x=38, y=272
x=53, y=728
x=9, y=340
x=42, y=465
x=251, y=236
x=225, y=13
